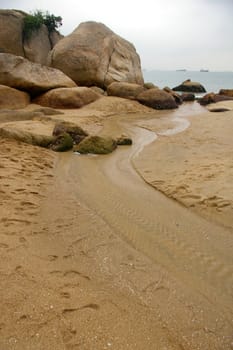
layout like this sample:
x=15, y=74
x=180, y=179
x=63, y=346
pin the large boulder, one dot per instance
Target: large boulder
x=37, y=46
x=11, y=32
x=125, y=90
x=67, y=97
x=13, y=99
x=94, y=55
x=157, y=99
x=20, y=73
x=190, y=86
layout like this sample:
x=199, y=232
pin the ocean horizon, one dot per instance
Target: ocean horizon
x=211, y=80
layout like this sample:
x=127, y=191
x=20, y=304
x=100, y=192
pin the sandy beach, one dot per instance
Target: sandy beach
x=131, y=250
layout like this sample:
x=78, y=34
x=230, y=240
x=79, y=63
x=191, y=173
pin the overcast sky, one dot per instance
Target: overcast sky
x=167, y=34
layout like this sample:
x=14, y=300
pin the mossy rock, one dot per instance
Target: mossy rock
x=96, y=145
x=75, y=131
x=124, y=141
x=62, y=143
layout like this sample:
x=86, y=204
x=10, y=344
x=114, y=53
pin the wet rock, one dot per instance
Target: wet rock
x=157, y=99
x=186, y=97
x=190, y=86
x=96, y=145
x=77, y=134
x=124, y=141
x=226, y=92
x=62, y=143
x=213, y=98
x=176, y=96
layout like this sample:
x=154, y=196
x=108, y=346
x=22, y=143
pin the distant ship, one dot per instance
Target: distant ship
x=181, y=70
x=204, y=70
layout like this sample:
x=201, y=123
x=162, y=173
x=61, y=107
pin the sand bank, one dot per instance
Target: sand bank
x=195, y=166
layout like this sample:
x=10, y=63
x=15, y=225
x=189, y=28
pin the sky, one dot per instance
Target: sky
x=167, y=34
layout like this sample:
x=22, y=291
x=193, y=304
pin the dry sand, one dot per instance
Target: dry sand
x=91, y=257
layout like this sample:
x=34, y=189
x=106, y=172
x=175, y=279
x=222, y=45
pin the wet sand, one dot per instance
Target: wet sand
x=93, y=257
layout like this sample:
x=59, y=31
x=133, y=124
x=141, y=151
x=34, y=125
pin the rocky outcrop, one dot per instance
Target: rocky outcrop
x=20, y=73
x=11, y=32
x=94, y=55
x=12, y=40
x=125, y=90
x=67, y=97
x=190, y=86
x=13, y=99
x=213, y=98
x=157, y=99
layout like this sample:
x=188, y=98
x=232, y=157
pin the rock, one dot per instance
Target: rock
x=219, y=109
x=190, y=86
x=150, y=86
x=11, y=32
x=213, y=98
x=98, y=90
x=77, y=134
x=25, y=136
x=20, y=73
x=94, y=55
x=96, y=145
x=37, y=46
x=188, y=97
x=157, y=99
x=62, y=143
x=124, y=141
x=176, y=96
x=67, y=97
x=7, y=115
x=125, y=90
x=226, y=92
x=13, y=99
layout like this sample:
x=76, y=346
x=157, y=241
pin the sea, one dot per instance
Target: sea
x=212, y=81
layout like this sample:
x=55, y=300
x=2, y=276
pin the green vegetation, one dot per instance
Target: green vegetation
x=34, y=21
